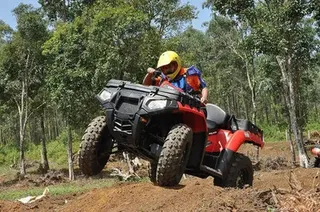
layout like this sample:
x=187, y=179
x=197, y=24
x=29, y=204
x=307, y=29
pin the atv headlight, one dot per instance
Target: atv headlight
x=157, y=104
x=105, y=95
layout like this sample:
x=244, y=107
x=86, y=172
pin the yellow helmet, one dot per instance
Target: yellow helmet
x=168, y=57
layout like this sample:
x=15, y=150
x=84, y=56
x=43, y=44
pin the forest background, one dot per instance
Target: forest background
x=260, y=59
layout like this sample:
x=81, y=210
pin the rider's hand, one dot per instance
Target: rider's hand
x=204, y=100
x=151, y=70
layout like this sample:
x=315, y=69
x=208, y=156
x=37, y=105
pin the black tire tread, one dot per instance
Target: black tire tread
x=169, y=169
x=240, y=161
x=88, y=160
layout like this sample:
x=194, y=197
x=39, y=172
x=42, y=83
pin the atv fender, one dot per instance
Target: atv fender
x=240, y=137
x=237, y=139
x=193, y=117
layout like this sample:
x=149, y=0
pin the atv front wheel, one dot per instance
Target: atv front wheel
x=314, y=162
x=95, y=147
x=174, y=155
x=240, y=173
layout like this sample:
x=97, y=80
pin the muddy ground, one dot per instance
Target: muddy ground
x=277, y=187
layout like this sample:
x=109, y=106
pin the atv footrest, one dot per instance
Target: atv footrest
x=213, y=172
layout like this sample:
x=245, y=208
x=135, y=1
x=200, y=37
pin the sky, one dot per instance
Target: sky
x=203, y=14
x=6, y=7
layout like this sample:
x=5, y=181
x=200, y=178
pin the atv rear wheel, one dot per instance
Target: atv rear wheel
x=240, y=173
x=174, y=155
x=314, y=162
x=95, y=147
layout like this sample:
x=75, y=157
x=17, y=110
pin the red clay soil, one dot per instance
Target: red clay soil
x=283, y=190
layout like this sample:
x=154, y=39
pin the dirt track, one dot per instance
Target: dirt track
x=271, y=189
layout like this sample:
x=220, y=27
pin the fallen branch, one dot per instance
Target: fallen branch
x=31, y=199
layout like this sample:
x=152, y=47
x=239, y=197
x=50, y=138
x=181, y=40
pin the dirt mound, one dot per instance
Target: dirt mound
x=48, y=203
x=276, y=187
x=191, y=195
x=195, y=194
x=275, y=190
x=277, y=163
x=315, y=135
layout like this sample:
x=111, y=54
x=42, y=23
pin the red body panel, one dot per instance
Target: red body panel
x=218, y=140
x=240, y=137
x=225, y=139
x=222, y=139
x=193, y=118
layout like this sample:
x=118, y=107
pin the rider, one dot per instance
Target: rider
x=187, y=79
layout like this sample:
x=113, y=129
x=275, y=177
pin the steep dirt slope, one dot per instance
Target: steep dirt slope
x=192, y=194
x=272, y=189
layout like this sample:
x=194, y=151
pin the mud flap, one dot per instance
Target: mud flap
x=224, y=161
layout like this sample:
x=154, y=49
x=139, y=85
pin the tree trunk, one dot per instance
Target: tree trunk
x=44, y=158
x=285, y=67
x=22, y=159
x=56, y=125
x=252, y=86
x=275, y=111
x=266, y=110
x=71, y=173
x=33, y=132
x=22, y=123
x=293, y=154
x=246, y=108
x=2, y=141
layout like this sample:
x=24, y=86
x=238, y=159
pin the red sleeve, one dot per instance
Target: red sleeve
x=194, y=82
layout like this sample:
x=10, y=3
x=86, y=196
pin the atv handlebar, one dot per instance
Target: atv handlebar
x=155, y=74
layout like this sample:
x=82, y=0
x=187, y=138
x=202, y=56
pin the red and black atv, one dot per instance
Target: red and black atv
x=315, y=161
x=169, y=128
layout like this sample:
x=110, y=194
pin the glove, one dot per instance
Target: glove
x=151, y=70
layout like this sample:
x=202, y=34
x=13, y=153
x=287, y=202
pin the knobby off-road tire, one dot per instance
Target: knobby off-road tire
x=314, y=162
x=95, y=147
x=240, y=173
x=174, y=155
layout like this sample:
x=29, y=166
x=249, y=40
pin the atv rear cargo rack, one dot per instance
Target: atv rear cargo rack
x=246, y=125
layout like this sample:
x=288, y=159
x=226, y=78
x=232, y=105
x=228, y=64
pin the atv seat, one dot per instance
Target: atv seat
x=217, y=118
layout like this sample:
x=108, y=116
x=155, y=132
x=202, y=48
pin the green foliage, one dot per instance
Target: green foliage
x=167, y=17
x=56, y=150
x=190, y=44
x=5, y=32
x=231, y=7
x=111, y=43
x=96, y=40
x=9, y=155
x=273, y=133
x=65, y=10
x=314, y=126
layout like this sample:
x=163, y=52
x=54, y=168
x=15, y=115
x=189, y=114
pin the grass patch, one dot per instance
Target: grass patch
x=56, y=150
x=273, y=133
x=57, y=190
